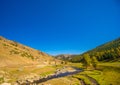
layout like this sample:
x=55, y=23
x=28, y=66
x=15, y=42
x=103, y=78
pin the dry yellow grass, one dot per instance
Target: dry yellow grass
x=17, y=61
x=13, y=53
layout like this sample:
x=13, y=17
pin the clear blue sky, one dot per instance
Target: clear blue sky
x=60, y=26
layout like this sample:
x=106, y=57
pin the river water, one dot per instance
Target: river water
x=58, y=75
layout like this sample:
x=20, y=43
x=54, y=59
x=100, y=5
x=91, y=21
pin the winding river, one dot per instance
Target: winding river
x=60, y=73
x=57, y=74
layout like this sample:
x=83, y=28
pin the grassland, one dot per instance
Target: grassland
x=69, y=80
x=107, y=73
x=11, y=74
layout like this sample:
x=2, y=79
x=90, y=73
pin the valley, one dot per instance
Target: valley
x=22, y=65
x=59, y=42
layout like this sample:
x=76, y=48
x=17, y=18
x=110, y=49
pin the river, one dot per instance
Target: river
x=59, y=73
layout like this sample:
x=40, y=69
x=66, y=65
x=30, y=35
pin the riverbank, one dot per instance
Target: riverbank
x=35, y=74
x=21, y=73
x=62, y=72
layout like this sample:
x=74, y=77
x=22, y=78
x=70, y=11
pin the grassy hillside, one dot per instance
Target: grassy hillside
x=18, y=62
x=13, y=53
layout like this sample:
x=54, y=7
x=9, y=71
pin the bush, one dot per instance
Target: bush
x=5, y=44
x=1, y=80
x=25, y=54
x=14, y=52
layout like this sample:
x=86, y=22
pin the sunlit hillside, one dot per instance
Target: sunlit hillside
x=13, y=53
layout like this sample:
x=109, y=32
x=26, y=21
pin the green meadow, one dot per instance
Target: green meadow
x=107, y=73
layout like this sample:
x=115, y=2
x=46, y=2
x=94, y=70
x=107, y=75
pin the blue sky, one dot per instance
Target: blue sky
x=60, y=26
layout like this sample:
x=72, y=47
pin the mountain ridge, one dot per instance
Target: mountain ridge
x=64, y=56
x=105, y=52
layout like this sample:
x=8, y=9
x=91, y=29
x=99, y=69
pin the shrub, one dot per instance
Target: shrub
x=25, y=54
x=1, y=80
x=5, y=44
x=14, y=52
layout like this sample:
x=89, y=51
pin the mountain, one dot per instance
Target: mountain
x=13, y=53
x=107, y=46
x=106, y=52
x=64, y=56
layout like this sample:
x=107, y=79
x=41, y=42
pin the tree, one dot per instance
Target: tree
x=94, y=62
x=86, y=60
x=118, y=52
